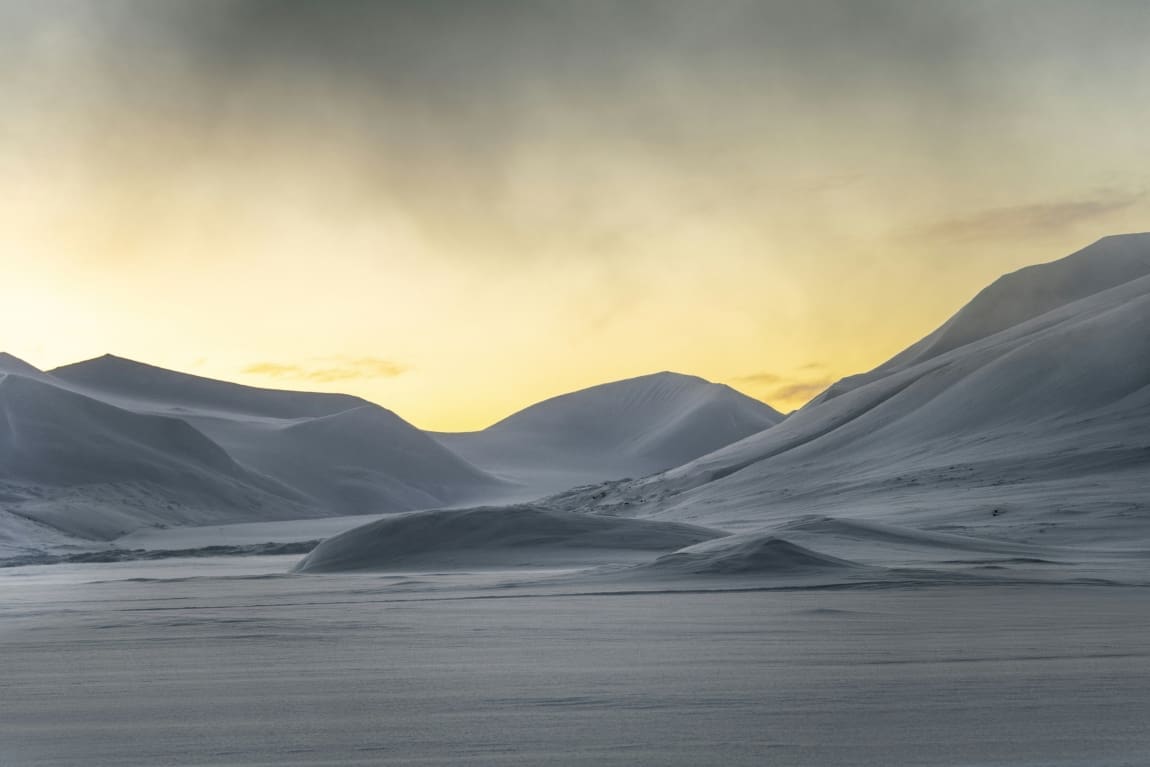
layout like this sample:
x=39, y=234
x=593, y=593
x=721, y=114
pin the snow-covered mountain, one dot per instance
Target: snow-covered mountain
x=1026, y=416
x=104, y=447
x=141, y=386
x=628, y=428
x=91, y=469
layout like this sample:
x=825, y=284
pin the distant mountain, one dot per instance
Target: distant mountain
x=103, y=447
x=357, y=461
x=140, y=385
x=92, y=469
x=1026, y=416
x=106, y=446
x=627, y=428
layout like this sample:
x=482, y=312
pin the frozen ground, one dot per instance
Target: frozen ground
x=229, y=662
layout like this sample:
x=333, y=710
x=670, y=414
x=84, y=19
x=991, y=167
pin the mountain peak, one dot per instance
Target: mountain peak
x=12, y=364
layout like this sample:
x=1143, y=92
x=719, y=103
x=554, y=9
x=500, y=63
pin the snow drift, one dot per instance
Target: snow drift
x=749, y=554
x=496, y=536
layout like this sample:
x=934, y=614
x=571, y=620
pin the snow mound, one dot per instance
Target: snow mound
x=500, y=536
x=626, y=428
x=750, y=553
x=109, y=446
x=138, y=383
x=868, y=532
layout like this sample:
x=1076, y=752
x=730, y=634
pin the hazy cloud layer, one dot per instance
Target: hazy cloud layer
x=759, y=379
x=787, y=392
x=1027, y=221
x=539, y=195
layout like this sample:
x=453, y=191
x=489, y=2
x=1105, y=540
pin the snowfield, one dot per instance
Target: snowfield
x=229, y=662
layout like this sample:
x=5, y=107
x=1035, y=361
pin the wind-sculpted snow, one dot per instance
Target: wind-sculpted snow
x=623, y=429
x=750, y=553
x=497, y=536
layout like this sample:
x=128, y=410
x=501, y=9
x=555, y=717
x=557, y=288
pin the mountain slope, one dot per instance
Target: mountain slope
x=91, y=469
x=1040, y=428
x=626, y=428
x=107, y=446
x=344, y=454
x=1020, y=296
x=10, y=364
x=358, y=461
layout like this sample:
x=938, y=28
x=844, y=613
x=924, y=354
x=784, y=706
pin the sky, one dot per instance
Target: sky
x=458, y=208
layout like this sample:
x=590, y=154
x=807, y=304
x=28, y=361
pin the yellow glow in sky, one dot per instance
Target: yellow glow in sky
x=501, y=212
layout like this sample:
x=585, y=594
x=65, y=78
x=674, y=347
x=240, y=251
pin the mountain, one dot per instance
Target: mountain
x=1020, y=296
x=628, y=428
x=1025, y=417
x=91, y=469
x=363, y=460
x=145, y=386
x=104, y=447
x=342, y=453
x=10, y=364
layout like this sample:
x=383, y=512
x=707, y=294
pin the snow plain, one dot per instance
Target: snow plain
x=230, y=662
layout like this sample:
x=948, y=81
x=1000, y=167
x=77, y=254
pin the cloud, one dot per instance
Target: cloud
x=1017, y=221
x=341, y=369
x=785, y=390
x=799, y=391
x=759, y=379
